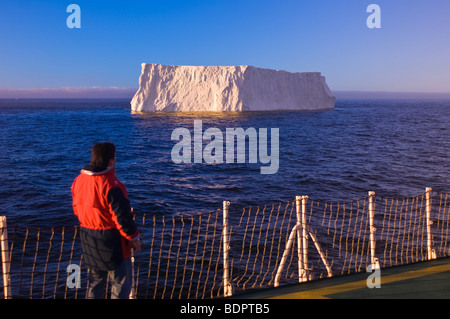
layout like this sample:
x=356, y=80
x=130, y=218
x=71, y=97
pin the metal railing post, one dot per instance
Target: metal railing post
x=431, y=253
x=373, y=259
x=227, y=288
x=302, y=238
x=306, y=274
x=133, y=281
x=286, y=253
x=6, y=261
x=298, y=209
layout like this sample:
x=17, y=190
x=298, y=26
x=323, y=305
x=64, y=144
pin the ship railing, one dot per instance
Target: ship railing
x=236, y=249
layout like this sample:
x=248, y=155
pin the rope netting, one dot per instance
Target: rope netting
x=38, y=261
x=182, y=256
x=257, y=239
x=400, y=232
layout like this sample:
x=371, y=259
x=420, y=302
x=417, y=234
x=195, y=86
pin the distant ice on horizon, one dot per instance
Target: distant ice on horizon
x=169, y=88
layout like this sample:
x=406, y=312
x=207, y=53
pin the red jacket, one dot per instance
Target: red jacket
x=100, y=201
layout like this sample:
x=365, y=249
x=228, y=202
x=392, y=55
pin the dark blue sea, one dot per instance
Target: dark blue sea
x=396, y=148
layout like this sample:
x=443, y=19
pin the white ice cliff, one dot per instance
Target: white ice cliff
x=169, y=88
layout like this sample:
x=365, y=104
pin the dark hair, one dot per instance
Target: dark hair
x=102, y=153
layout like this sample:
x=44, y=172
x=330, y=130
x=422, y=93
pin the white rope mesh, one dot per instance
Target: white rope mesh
x=182, y=256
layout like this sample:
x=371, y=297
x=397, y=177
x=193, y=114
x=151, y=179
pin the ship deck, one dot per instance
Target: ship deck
x=422, y=280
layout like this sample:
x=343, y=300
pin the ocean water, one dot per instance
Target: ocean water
x=396, y=148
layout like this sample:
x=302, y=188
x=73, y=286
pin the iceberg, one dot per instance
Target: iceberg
x=171, y=88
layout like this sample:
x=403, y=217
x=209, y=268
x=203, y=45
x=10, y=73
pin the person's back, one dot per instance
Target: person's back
x=108, y=232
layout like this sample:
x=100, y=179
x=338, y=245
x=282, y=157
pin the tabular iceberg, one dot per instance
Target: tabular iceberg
x=169, y=88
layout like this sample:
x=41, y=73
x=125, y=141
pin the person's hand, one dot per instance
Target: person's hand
x=136, y=245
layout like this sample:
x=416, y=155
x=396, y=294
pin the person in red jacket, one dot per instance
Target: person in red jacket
x=107, y=229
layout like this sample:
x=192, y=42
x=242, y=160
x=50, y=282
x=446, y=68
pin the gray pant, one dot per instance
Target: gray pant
x=121, y=282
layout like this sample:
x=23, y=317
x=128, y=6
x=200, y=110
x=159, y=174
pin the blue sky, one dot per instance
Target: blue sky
x=410, y=53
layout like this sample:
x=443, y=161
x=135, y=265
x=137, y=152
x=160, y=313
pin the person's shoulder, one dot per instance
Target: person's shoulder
x=114, y=181
x=117, y=190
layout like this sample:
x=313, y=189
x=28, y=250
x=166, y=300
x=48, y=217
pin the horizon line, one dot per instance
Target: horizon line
x=128, y=92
